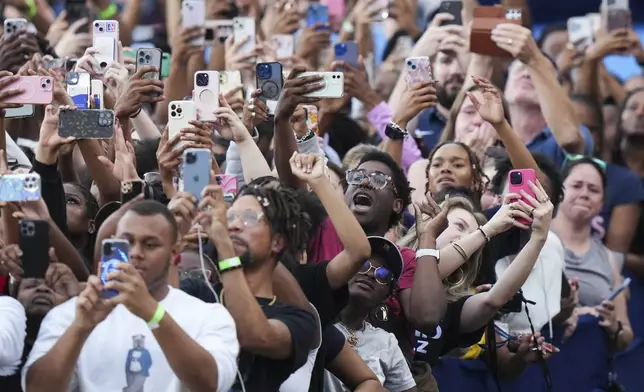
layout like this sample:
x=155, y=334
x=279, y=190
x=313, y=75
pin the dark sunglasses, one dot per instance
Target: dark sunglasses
x=382, y=275
x=195, y=274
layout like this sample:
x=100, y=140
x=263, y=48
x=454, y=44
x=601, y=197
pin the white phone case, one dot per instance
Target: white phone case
x=580, y=31
x=616, y=4
x=333, y=84
x=80, y=91
x=96, y=96
x=106, y=46
x=193, y=13
x=284, y=46
x=21, y=112
x=206, y=94
x=229, y=80
x=244, y=27
x=180, y=113
x=12, y=25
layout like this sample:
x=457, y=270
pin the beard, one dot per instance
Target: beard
x=633, y=140
x=444, y=96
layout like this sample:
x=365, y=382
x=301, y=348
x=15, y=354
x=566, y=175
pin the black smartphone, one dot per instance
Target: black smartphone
x=34, y=243
x=130, y=190
x=453, y=8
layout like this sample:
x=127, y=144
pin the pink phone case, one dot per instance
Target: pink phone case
x=519, y=182
x=228, y=183
x=37, y=90
x=418, y=70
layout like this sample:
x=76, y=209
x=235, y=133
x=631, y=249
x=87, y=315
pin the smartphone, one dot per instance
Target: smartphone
x=317, y=14
x=580, y=32
x=130, y=190
x=228, y=183
x=210, y=32
x=86, y=124
x=20, y=187
x=595, y=21
x=165, y=65
x=518, y=181
x=418, y=70
x=270, y=80
x=618, y=18
x=347, y=52
x=149, y=57
x=229, y=80
x=180, y=115
x=37, y=90
x=70, y=64
x=78, y=88
x=14, y=25
x=223, y=30
x=284, y=46
x=114, y=252
x=454, y=8
x=311, y=113
x=206, y=94
x=50, y=63
x=193, y=13
x=34, y=243
x=21, y=112
x=242, y=28
x=77, y=10
x=619, y=289
x=105, y=41
x=195, y=170
x=333, y=85
x=96, y=95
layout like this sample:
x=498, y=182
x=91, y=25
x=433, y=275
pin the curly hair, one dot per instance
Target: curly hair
x=286, y=217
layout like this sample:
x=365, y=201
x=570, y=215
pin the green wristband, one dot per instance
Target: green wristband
x=32, y=9
x=229, y=264
x=109, y=12
x=157, y=317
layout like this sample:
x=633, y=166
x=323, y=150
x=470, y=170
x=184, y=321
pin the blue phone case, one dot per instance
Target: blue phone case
x=347, y=52
x=317, y=13
x=114, y=253
x=20, y=187
x=195, y=170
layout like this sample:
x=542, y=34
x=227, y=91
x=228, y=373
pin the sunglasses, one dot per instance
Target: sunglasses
x=195, y=274
x=576, y=157
x=376, y=180
x=382, y=275
x=248, y=217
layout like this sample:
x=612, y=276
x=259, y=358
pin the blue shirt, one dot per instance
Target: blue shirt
x=430, y=128
x=546, y=144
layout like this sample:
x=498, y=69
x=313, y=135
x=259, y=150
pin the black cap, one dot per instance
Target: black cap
x=389, y=252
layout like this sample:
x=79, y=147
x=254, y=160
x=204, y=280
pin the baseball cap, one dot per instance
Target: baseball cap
x=389, y=252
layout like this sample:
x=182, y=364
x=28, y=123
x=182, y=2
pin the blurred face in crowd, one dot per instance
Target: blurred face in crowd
x=152, y=245
x=77, y=219
x=249, y=231
x=460, y=223
x=555, y=43
x=190, y=266
x=468, y=119
x=610, y=115
x=450, y=167
x=634, y=82
x=39, y=296
x=370, y=205
x=633, y=115
x=365, y=289
x=584, y=193
x=519, y=88
x=450, y=75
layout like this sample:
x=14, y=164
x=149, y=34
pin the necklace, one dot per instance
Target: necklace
x=353, y=337
x=221, y=299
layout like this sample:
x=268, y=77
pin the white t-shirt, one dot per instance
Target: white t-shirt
x=13, y=329
x=122, y=355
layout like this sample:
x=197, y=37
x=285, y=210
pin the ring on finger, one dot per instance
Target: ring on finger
x=251, y=107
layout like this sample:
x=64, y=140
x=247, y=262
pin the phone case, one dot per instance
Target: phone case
x=228, y=183
x=454, y=8
x=96, y=96
x=20, y=187
x=418, y=70
x=34, y=243
x=86, y=124
x=78, y=88
x=595, y=22
x=193, y=13
x=333, y=85
x=486, y=18
x=317, y=14
x=518, y=181
x=70, y=64
x=149, y=57
x=195, y=170
x=625, y=283
x=270, y=80
x=105, y=40
x=180, y=115
x=21, y=112
x=580, y=32
x=311, y=113
x=229, y=80
x=130, y=190
x=618, y=18
x=284, y=44
x=347, y=52
x=223, y=30
x=114, y=252
x=206, y=94
x=210, y=32
x=242, y=28
x=165, y=65
x=37, y=90
x=13, y=25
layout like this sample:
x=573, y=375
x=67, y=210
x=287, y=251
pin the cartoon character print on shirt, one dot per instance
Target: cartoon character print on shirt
x=137, y=365
x=422, y=340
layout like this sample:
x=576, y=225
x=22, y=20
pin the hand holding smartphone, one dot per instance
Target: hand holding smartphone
x=519, y=180
x=114, y=252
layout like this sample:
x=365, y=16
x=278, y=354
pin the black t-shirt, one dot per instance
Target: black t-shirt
x=315, y=285
x=447, y=336
x=332, y=343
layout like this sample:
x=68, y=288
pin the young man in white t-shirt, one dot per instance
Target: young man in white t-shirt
x=149, y=337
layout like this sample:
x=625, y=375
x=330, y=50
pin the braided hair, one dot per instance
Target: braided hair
x=286, y=217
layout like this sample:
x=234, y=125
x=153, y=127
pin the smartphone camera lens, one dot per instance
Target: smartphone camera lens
x=100, y=29
x=264, y=71
x=203, y=79
x=96, y=24
x=173, y=107
x=340, y=49
x=191, y=158
x=147, y=57
x=179, y=110
x=516, y=178
x=173, y=114
x=107, y=249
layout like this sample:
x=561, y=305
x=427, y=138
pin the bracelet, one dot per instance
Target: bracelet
x=157, y=317
x=136, y=114
x=309, y=135
x=108, y=12
x=487, y=239
x=32, y=9
x=229, y=264
x=460, y=250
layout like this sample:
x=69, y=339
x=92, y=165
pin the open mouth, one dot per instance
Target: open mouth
x=365, y=284
x=362, y=201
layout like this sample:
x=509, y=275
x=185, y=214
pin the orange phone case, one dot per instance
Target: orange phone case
x=486, y=18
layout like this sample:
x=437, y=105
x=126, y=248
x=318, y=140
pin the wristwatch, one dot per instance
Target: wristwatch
x=309, y=135
x=395, y=132
x=429, y=252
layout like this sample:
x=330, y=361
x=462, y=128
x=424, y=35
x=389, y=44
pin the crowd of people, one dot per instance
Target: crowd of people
x=473, y=213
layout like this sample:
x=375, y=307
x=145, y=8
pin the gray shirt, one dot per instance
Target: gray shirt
x=594, y=270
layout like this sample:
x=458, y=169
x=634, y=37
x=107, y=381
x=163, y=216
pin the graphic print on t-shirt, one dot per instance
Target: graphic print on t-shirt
x=422, y=340
x=137, y=365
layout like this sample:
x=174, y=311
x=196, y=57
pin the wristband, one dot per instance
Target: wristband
x=348, y=27
x=229, y=264
x=136, y=113
x=309, y=135
x=157, y=317
x=108, y=12
x=32, y=9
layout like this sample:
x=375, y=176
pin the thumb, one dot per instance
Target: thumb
x=52, y=255
x=418, y=216
x=442, y=215
x=105, y=161
x=222, y=100
x=74, y=27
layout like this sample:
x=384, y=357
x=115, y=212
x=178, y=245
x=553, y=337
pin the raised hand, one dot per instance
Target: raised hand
x=516, y=40
x=88, y=63
x=419, y=97
x=50, y=142
x=235, y=98
x=213, y=216
x=72, y=43
x=542, y=209
x=313, y=40
x=6, y=78
x=10, y=261
x=293, y=92
x=488, y=103
x=132, y=292
x=436, y=221
x=255, y=111
x=116, y=77
x=308, y=167
x=138, y=91
x=228, y=124
x=91, y=309
x=183, y=206
x=506, y=217
x=236, y=60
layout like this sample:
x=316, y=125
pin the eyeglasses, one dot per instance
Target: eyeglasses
x=195, y=274
x=576, y=157
x=376, y=180
x=382, y=275
x=248, y=217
